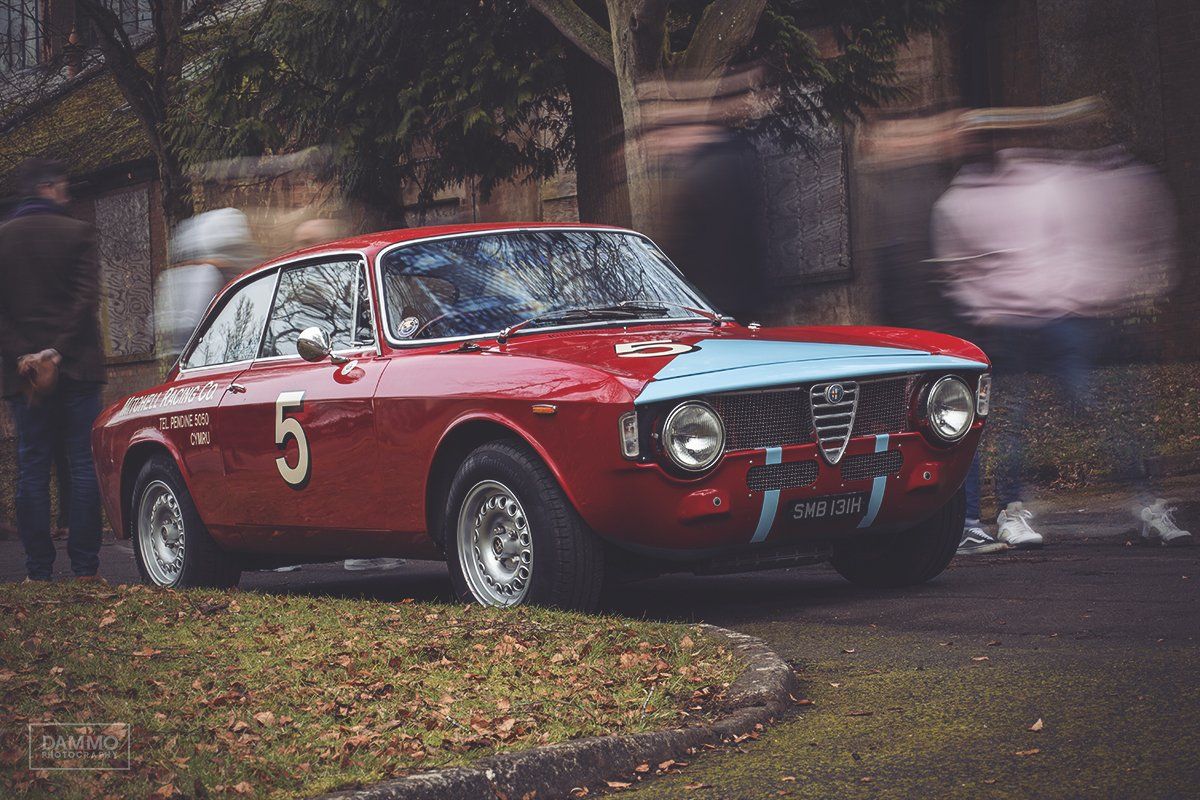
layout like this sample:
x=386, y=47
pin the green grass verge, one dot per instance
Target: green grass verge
x=260, y=695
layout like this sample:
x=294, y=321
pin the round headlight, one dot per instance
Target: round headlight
x=693, y=436
x=951, y=409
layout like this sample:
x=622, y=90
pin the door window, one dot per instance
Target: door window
x=233, y=332
x=322, y=295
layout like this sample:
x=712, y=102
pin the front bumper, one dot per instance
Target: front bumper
x=652, y=512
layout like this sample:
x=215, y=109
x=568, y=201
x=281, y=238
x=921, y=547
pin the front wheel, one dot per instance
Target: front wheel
x=171, y=545
x=512, y=536
x=919, y=554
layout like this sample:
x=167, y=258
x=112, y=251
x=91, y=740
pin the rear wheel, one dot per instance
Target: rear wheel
x=512, y=536
x=171, y=545
x=889, y=561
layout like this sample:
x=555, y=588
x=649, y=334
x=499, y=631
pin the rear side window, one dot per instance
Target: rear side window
x=321, y=295
x=233, y=333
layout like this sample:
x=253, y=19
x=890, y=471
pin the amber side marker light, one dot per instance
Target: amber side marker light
x=545, y=409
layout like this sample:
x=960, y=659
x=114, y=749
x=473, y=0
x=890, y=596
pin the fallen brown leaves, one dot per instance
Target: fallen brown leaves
x=238, y=692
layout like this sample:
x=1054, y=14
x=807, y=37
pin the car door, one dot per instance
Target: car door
x=298, y=438
x=224, y=347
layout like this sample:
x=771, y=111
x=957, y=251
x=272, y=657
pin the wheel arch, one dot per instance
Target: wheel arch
x=459, y=440
x=136, y=455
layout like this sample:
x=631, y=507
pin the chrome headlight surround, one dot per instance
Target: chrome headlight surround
x=705, y=422
x=950, y=408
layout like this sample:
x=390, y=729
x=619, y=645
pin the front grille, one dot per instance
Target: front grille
x=756, y=420
x=883, y=406
x=833, y=417
x=766, y=477
x=871, y=465
x=780, y=417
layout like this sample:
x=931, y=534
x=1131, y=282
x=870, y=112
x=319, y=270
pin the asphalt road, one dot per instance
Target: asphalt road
x=928, y=692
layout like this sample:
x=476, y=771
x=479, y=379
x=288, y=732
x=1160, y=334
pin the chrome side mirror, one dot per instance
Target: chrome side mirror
x=313, y=345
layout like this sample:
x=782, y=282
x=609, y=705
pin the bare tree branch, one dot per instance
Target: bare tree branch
x=724, y=30
x=579, y=29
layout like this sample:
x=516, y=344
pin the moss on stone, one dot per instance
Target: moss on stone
x=89, y=127
x=1118, y=723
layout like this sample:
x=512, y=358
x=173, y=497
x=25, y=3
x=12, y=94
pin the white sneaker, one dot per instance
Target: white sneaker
x=361, y=564
x=1158, y=522
x=1015, y=530
x=977, y=541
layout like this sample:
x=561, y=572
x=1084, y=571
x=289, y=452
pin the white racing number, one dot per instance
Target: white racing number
x=657, y=347
x=297, y=476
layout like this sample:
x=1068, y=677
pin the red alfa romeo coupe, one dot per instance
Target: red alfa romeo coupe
x=546, y=407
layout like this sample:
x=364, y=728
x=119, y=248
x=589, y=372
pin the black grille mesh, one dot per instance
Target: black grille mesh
x=781, y=476
x=871, y=465
x=781, y=417
x=754, y=420
x=883, y=406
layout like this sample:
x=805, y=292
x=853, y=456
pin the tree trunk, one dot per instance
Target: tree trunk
x=641, y=59
x=175, y=188
x=600, y=174
x=638, y=39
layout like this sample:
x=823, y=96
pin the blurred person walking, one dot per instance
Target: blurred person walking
x=207, y=252
x=1039, y=247
x=712, y=219
x=53, y=363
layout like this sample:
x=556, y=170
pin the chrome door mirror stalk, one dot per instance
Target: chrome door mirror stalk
x=313, y=345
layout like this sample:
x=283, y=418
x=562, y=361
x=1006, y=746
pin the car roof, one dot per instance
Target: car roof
x=371, y=243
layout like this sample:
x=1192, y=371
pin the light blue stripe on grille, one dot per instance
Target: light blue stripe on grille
x=877, y=487
x=766, y=517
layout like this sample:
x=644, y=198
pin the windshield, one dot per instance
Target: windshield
x=471, y=285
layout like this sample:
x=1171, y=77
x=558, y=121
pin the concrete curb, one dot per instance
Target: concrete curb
x=758, y=694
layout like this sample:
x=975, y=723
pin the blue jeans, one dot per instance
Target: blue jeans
x=1063, y=349
x=65, y=417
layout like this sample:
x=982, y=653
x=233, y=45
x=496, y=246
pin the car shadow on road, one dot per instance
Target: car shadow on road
x=679, y=598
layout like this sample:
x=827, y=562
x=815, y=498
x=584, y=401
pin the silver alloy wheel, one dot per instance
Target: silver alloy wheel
x=495, y=548
x=160, y=531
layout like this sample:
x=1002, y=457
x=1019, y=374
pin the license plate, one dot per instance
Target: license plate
x=831, y=506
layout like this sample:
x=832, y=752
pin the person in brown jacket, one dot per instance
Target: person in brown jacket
x=53, y=362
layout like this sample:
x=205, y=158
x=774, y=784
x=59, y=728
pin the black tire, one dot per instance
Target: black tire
x=919, y=554
x=204, y=562
x=566, y=567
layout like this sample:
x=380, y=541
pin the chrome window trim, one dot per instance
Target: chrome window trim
x=277, y=269
x=406, y=344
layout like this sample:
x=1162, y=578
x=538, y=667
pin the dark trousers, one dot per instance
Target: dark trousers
x=63, y=419
x=1065, y=352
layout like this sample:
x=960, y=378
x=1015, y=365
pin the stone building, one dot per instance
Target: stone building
x=823, y=212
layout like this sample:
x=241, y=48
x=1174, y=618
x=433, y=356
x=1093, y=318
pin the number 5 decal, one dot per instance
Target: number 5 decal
x=297, y=476
x=658, y=347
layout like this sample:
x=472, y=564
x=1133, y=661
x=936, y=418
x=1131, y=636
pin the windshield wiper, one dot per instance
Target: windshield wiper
x=662, y=306
x=566, y=315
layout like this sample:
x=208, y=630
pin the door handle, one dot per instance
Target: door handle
x=237, y=388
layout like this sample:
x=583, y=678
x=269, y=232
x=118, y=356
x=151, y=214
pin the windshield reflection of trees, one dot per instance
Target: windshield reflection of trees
x=482, y=283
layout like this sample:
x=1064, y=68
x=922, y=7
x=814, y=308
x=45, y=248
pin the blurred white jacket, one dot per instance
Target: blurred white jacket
x=208, y=250
x=1043, y=235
